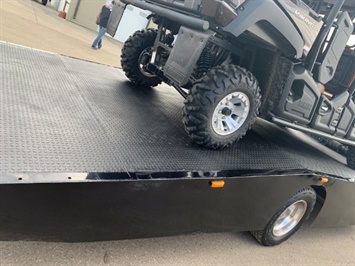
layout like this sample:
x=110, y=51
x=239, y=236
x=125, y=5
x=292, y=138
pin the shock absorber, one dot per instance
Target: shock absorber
x=203, y=64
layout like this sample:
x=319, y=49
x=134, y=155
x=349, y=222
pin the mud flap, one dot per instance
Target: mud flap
x=115, y=18
x=185, y=54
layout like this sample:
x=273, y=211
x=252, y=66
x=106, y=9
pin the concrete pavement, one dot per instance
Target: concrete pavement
x=28, y=23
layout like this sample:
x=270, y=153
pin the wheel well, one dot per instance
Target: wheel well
x=321, y=197
x=271, y=70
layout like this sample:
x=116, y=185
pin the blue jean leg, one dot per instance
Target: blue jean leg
x=98, y=40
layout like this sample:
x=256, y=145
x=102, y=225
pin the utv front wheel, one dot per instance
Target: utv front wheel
x=222, y=106
x=351, y=157
x=288, y=219
x=136, y=54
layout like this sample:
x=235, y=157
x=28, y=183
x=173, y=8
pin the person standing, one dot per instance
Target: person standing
x=102, y=21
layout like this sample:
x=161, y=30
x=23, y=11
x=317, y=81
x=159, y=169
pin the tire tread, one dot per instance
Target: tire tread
x=131, y=51
x=264, y=236
x=351, y=157
x=205, y=93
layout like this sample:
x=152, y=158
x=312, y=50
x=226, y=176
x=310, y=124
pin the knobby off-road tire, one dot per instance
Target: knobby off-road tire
x=136, y=52
x=288, y=219
x=211, y=115
x=351, y=157
x=44, y=2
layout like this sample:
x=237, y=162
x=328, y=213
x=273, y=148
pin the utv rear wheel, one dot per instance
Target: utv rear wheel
x=136, y=54
x=351, y=157
x=288, y=219
x=221, y=107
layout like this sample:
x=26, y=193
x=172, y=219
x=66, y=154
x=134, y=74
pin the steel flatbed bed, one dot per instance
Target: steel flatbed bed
x=86, y=155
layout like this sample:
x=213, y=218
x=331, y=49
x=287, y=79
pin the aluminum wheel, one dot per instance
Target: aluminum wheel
x=230, y=113
x=289, y=218
x=143, y=60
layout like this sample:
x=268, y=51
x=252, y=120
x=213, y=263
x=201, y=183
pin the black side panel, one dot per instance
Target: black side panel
x=146, y=208
x=254, y=12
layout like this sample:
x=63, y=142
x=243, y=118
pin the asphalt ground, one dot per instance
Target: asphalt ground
x=321, y=246
x=28, y=23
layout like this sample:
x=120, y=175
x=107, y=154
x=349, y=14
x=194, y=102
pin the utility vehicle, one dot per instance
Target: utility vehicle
x=286, y=61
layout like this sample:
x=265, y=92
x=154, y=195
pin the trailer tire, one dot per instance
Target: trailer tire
x=135, y=53
x=221, y=107
x=350, y=157
x=288, y=219
x=44, y=2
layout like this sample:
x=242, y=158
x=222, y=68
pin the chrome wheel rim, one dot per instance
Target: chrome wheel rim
x=143, y=59
x=230, y=113
x=289, y=218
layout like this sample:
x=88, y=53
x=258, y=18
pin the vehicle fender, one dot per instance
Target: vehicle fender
x=253, y=14
x=339, y=205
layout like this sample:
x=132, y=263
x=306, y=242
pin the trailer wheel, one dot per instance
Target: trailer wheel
x=351, y=157
x=44, y=2
x=288, y=219
x=222, y=106
x=136, y=53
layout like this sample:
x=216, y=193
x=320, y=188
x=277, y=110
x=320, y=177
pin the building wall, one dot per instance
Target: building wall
x=87, y=12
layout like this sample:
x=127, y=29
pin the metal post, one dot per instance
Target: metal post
x=76, y=9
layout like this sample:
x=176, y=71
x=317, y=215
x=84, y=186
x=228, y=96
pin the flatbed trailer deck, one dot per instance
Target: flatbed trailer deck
x=102, y=158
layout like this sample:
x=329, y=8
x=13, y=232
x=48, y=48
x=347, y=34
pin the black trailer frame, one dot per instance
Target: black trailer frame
x=84, y=157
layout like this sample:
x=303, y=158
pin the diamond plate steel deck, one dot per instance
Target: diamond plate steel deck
x=59, y=114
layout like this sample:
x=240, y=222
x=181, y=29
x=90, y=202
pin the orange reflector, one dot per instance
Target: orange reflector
x=217, y=184
x=323, y=180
